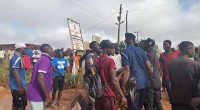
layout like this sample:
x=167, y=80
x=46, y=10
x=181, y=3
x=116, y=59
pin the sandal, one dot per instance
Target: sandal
x=58, y=104
x=52, y=105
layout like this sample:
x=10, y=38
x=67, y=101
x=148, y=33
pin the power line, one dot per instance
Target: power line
x=84, y=9
x=62, y=41
x=100, y=4
x=112, y=5
x=98, y=23
x=91, y=7
x=158, y=6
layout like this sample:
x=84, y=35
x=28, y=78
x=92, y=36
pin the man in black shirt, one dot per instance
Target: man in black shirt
x=184, y=75
x=153, y=95
x=90, y=69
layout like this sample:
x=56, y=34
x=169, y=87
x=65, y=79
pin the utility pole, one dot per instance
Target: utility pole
x=126, y=21
x=119, y=23
x=137, y=32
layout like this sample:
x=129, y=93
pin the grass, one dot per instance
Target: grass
x=4, y=73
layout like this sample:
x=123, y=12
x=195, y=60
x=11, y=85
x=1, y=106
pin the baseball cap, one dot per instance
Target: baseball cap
x=129, y=35
x=20, y=45
x=107, y=44
x=150, y=42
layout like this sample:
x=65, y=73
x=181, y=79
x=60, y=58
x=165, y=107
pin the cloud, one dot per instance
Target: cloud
x=45, y=21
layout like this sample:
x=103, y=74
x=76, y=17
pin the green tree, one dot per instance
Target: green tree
x=122, y=45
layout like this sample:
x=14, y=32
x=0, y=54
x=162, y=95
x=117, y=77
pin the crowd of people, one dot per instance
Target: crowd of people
x=131, y=78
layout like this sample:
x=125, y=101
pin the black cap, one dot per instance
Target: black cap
x=129, y=35
x=107, y=44
x=150, y=42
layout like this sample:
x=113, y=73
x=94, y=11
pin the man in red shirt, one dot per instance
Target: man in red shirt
x=108, y=75
x=165, y=59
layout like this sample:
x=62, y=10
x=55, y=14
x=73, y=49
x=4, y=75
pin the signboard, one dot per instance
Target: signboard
x=96, y=38
x=77, y=44
x=75, y=35
x=74, y=29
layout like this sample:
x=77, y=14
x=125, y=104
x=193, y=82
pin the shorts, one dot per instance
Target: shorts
x=106, y=103
x=37, y=105
x=58, y=83
x=18, y=100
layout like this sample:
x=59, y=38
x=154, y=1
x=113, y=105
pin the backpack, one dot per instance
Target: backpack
x=96, y=89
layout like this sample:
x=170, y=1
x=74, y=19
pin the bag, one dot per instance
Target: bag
x=132, y=88
x=96, y=89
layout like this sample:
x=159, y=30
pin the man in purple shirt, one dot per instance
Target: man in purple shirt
x=40, y=85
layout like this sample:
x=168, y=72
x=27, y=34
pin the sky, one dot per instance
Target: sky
x=45, y=21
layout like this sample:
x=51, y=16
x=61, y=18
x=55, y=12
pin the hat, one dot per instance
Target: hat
x=107, y=44
x=150, y=42
x=20, y=45
x=129, y=35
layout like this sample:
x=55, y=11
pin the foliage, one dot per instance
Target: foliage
x=72, y=80
x=4, y=74
x=122, y=45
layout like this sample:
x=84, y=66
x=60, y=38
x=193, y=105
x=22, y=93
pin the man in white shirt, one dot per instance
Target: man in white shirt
x=118, y=61
x=2, y=55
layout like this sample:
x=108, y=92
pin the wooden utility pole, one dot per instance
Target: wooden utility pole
x=126, y=21
x=137, y=33
x=119, y=23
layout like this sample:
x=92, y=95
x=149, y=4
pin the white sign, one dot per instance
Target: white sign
x=77, y=44
x=74, y=28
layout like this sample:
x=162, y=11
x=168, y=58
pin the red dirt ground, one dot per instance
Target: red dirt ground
x=67, y=98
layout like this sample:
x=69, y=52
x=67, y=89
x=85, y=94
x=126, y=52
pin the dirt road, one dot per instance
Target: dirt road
x=67, y=97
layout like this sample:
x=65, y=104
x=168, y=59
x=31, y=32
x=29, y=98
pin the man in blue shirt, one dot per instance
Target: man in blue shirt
x=17, y=81
x=135, y=63
x=59, y=67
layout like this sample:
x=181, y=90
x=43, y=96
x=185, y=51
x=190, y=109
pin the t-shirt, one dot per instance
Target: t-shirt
x=2, y=52
x=154, y=79
x=15, y=62
x=27, y=63
x=34, y=92
x=135, y=58
x=118, y=60
x=90, y=62
x=184, y=75
x=77, y=58
x=105, y=75
x=60, y=65
x=165, y=60
x=29, y=53
x=68, y=60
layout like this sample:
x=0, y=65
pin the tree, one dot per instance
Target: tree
x=122, y=45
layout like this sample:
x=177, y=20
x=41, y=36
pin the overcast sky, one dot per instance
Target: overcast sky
x=45, y=21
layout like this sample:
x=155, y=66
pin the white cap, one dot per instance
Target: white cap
x=20, y=45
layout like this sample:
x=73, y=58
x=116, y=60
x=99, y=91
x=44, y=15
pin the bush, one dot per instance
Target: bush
x=72, y=80
x=4, y=74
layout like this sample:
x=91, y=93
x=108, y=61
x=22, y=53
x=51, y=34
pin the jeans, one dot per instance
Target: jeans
x=168, y=86
x=140, y=96
x=152, y=99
